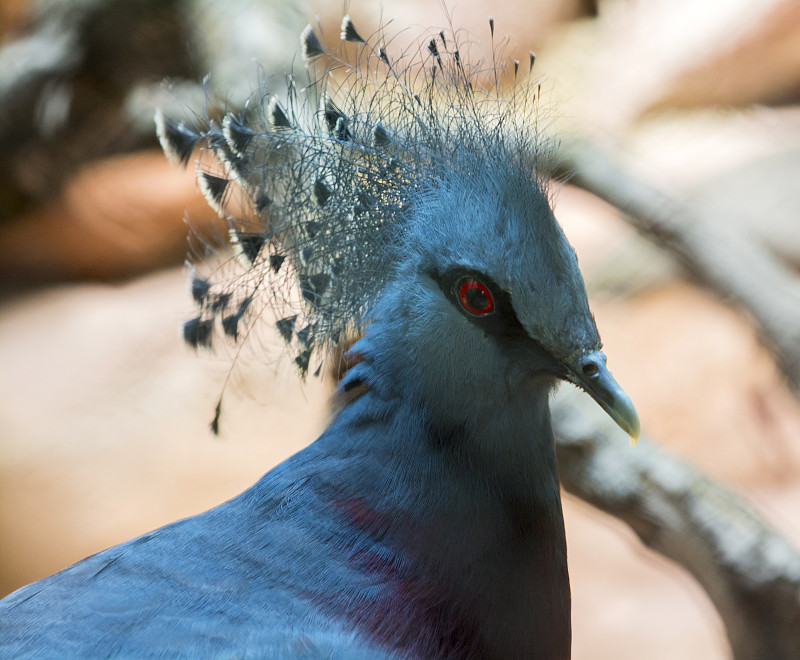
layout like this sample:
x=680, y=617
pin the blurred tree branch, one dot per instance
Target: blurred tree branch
x=68, y=89
x=734, y=268
x=750, y=572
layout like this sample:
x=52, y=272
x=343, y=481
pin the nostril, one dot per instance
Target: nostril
x=590, y=369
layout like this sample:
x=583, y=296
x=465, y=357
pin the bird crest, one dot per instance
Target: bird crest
x=315, y=183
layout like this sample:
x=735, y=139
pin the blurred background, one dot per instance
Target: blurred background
x=104, y=412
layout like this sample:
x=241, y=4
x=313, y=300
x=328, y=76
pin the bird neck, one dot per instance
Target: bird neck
x=467, y=517
x=490, y=424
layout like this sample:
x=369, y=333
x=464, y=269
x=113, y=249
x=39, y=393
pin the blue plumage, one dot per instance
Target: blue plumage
x=426, y=521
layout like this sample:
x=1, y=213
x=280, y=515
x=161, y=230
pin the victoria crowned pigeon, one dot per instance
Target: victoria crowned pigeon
x=401, y=200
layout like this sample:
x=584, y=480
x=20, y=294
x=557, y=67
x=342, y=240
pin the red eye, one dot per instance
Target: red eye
x=475, y=297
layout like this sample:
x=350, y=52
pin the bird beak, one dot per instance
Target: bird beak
x=589, y=372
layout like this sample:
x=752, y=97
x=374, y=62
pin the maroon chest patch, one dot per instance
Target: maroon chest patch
x=400, y=604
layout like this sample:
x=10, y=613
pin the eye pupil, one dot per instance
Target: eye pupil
x=475, y=297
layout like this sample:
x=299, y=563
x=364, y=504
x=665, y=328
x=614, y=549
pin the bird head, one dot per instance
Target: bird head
x=487, y=289
x=408, y=202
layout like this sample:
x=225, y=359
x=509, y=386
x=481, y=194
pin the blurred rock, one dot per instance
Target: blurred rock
x=614, y=259
x=524, y=25
x=63, y=84
x=740, y=167
x=607, y=73
x=13, y=15
x=71, y=84
x=238, y=41
x=760, y=66
x=117, y=218
x=760, y=199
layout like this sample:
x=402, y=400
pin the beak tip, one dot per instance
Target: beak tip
x=626, y=417
x=634, y=432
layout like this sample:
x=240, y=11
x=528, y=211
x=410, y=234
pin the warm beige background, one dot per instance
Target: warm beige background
x=104, y=413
